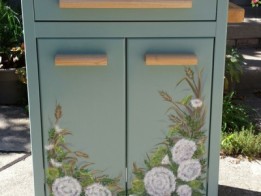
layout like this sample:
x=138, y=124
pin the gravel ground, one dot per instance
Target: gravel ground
x=6, y=158
x=14, y=130
x=239, y=177
x=17, y=180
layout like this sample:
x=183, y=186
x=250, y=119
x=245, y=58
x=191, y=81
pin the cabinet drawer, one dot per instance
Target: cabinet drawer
x=91, y=92
x=194, y=10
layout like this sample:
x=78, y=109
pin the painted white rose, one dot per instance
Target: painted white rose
x=97, y=189
x=160, y=181
x=183, y=150
x=189, y=170
x=196, y=103
x=184, y=190
x=66, y=186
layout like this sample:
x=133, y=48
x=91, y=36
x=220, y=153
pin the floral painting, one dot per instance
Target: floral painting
x=178, y=166
x=67, y=174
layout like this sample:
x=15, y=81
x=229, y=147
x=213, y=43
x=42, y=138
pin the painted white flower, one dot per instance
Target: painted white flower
x=160, y=181
x=196, y=103
x=189, y=170
x=183, y=150
x=97, y=189
x=49, y=147
x=66, y=186
x=165, y=160
x=55, y=163
x=184, y=190
x=57, y=129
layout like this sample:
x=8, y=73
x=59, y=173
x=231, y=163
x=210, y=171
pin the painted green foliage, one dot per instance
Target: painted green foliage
x=178, y=165
x=69, y=172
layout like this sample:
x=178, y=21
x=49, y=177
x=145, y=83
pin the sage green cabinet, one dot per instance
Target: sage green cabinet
x=112, y=105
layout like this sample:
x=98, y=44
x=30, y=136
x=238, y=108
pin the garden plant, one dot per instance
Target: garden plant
x=239, y=134
x=12, y=56
x=11, y=36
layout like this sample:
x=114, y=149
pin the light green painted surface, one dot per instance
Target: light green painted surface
x=147, y=119
x=34, y=97
x=217, y=97
x=124, y=29
x=48, y=10
x=93, y=99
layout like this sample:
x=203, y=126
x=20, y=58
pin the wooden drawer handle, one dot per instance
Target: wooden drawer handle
x=125, y=4
x=171, y=59
x=81, y=60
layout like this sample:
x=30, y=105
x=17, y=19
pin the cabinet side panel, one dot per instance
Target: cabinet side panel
x=217, y=97
x=34, y=98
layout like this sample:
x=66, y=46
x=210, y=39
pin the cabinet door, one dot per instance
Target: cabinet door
x=92, y=98
x=148, y=123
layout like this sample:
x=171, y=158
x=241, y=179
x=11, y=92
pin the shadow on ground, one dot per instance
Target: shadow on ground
x=232, y=191
x=14, y=130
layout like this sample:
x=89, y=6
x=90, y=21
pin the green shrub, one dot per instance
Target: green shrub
x=244, y=142
x=10, y=28
x=233, y=68
x=234, y=116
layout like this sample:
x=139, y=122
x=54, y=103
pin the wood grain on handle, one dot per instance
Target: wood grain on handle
x=81, y=60
x=125, y=4
x=171, y=59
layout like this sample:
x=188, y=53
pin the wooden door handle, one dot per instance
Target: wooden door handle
x=125, y=4
x=171, y=59
x=81, y=60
